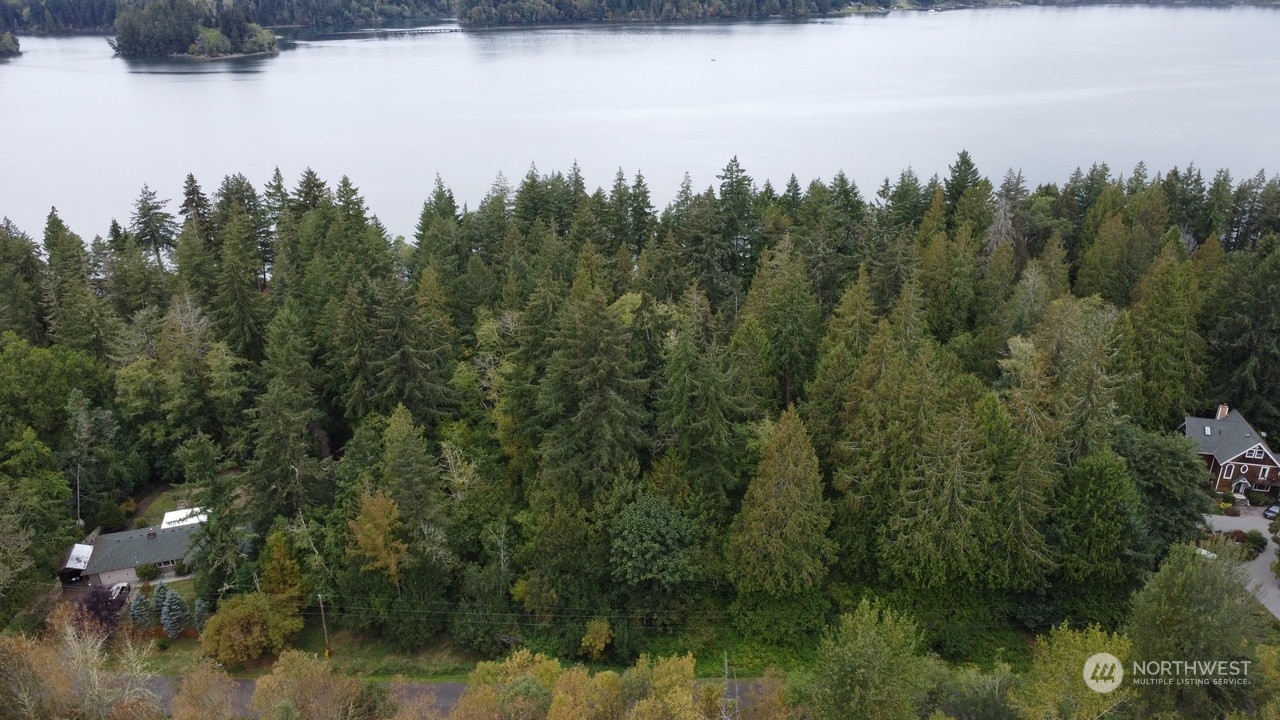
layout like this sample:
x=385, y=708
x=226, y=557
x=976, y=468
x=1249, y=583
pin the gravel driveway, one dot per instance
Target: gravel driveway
x=1267, y=587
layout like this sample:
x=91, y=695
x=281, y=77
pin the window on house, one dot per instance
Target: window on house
x=1254, y=453
x=166, y=563
x=1228, y=471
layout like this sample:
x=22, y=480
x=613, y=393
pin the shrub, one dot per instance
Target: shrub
x=182, y=569
x=129, y=506
x=147, y=572
x=247, y=627
x=162, y=644
x=1256, y=542
x=1258, y=498
x=597, y=637
x=1231, y=511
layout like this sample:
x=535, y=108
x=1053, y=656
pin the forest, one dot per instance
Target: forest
x=568, y=422
x=81, y=15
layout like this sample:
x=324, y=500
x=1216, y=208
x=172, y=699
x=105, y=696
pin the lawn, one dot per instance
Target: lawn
x=166, y=498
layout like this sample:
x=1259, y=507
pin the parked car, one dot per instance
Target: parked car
x=1272, y=512
x=121, y=588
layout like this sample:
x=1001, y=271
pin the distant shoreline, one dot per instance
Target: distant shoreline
x=854, y=10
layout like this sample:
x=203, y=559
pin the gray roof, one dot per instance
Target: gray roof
x=1227, y=438
x=131, y=548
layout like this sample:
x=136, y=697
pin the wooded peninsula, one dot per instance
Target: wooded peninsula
x=917, y=432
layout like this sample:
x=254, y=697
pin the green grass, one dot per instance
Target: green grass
x=154, y=506
x=372, y=657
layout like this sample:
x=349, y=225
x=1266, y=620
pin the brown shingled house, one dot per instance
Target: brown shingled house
x=1237, y=455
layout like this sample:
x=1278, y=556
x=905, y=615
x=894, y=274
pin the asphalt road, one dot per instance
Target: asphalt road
x=447, y=693
x=1267, y=588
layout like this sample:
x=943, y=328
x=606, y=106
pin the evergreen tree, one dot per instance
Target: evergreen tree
x=351, y=357
x=409, y=365
x=20, y=275
x=1163, y=340
x=839, y=354
x=196, y=210
x=783, y=304
x=1245, y=343
x=1095, y=530
x=284, y=472
x=591, y=401
x=152, y=227
x=175, y=616
x=78, y=319
x=696, y=408
x=237, y=305
x=777, y=544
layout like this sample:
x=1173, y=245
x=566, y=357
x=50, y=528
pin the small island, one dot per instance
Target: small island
x=185, y=28
x=9, y=45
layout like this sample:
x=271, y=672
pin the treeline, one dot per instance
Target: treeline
x=73, y=15
x=564, y=413
x=9, y=45
x=515, y=12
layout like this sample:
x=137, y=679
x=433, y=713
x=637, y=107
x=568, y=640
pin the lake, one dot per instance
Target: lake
x=1041, y=89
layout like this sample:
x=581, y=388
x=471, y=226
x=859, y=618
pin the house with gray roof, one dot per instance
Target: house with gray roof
x=1237, y=456
x=116, y=556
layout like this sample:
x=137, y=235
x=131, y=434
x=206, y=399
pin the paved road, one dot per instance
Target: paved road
x=1267, y=587
x=447, y=693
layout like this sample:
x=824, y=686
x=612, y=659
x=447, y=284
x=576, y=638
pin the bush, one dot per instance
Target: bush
x=129, y=506
x=182, y=569
x=1258, y=498
x=1232, y=511
x=162, y=644
x=1255, y=541
x=147, y=572
x=247, y=627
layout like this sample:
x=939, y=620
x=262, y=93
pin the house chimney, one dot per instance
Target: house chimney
x=1222, y=412
x=151, y=534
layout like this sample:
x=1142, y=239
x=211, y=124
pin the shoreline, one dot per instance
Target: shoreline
x=860, y=9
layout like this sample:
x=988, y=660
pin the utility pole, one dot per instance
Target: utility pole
x=324, y=625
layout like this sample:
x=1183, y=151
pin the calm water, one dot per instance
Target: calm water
x=1040, y=89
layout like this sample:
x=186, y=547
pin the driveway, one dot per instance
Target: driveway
x=1267, y=588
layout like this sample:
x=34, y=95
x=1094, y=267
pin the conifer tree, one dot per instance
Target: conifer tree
x=696, y=408
x=284, y=472
x=409, y=365
x=351, y=358
x=152, y=227
x=409, y=474
x=1162, y=337
x=196, y=210
x=591, y=401
x=281, y=575
x=237, y=305
x=839, y=354
x=1095, y=526
x=777, y=544
x=20, y=274
x=782, y=302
